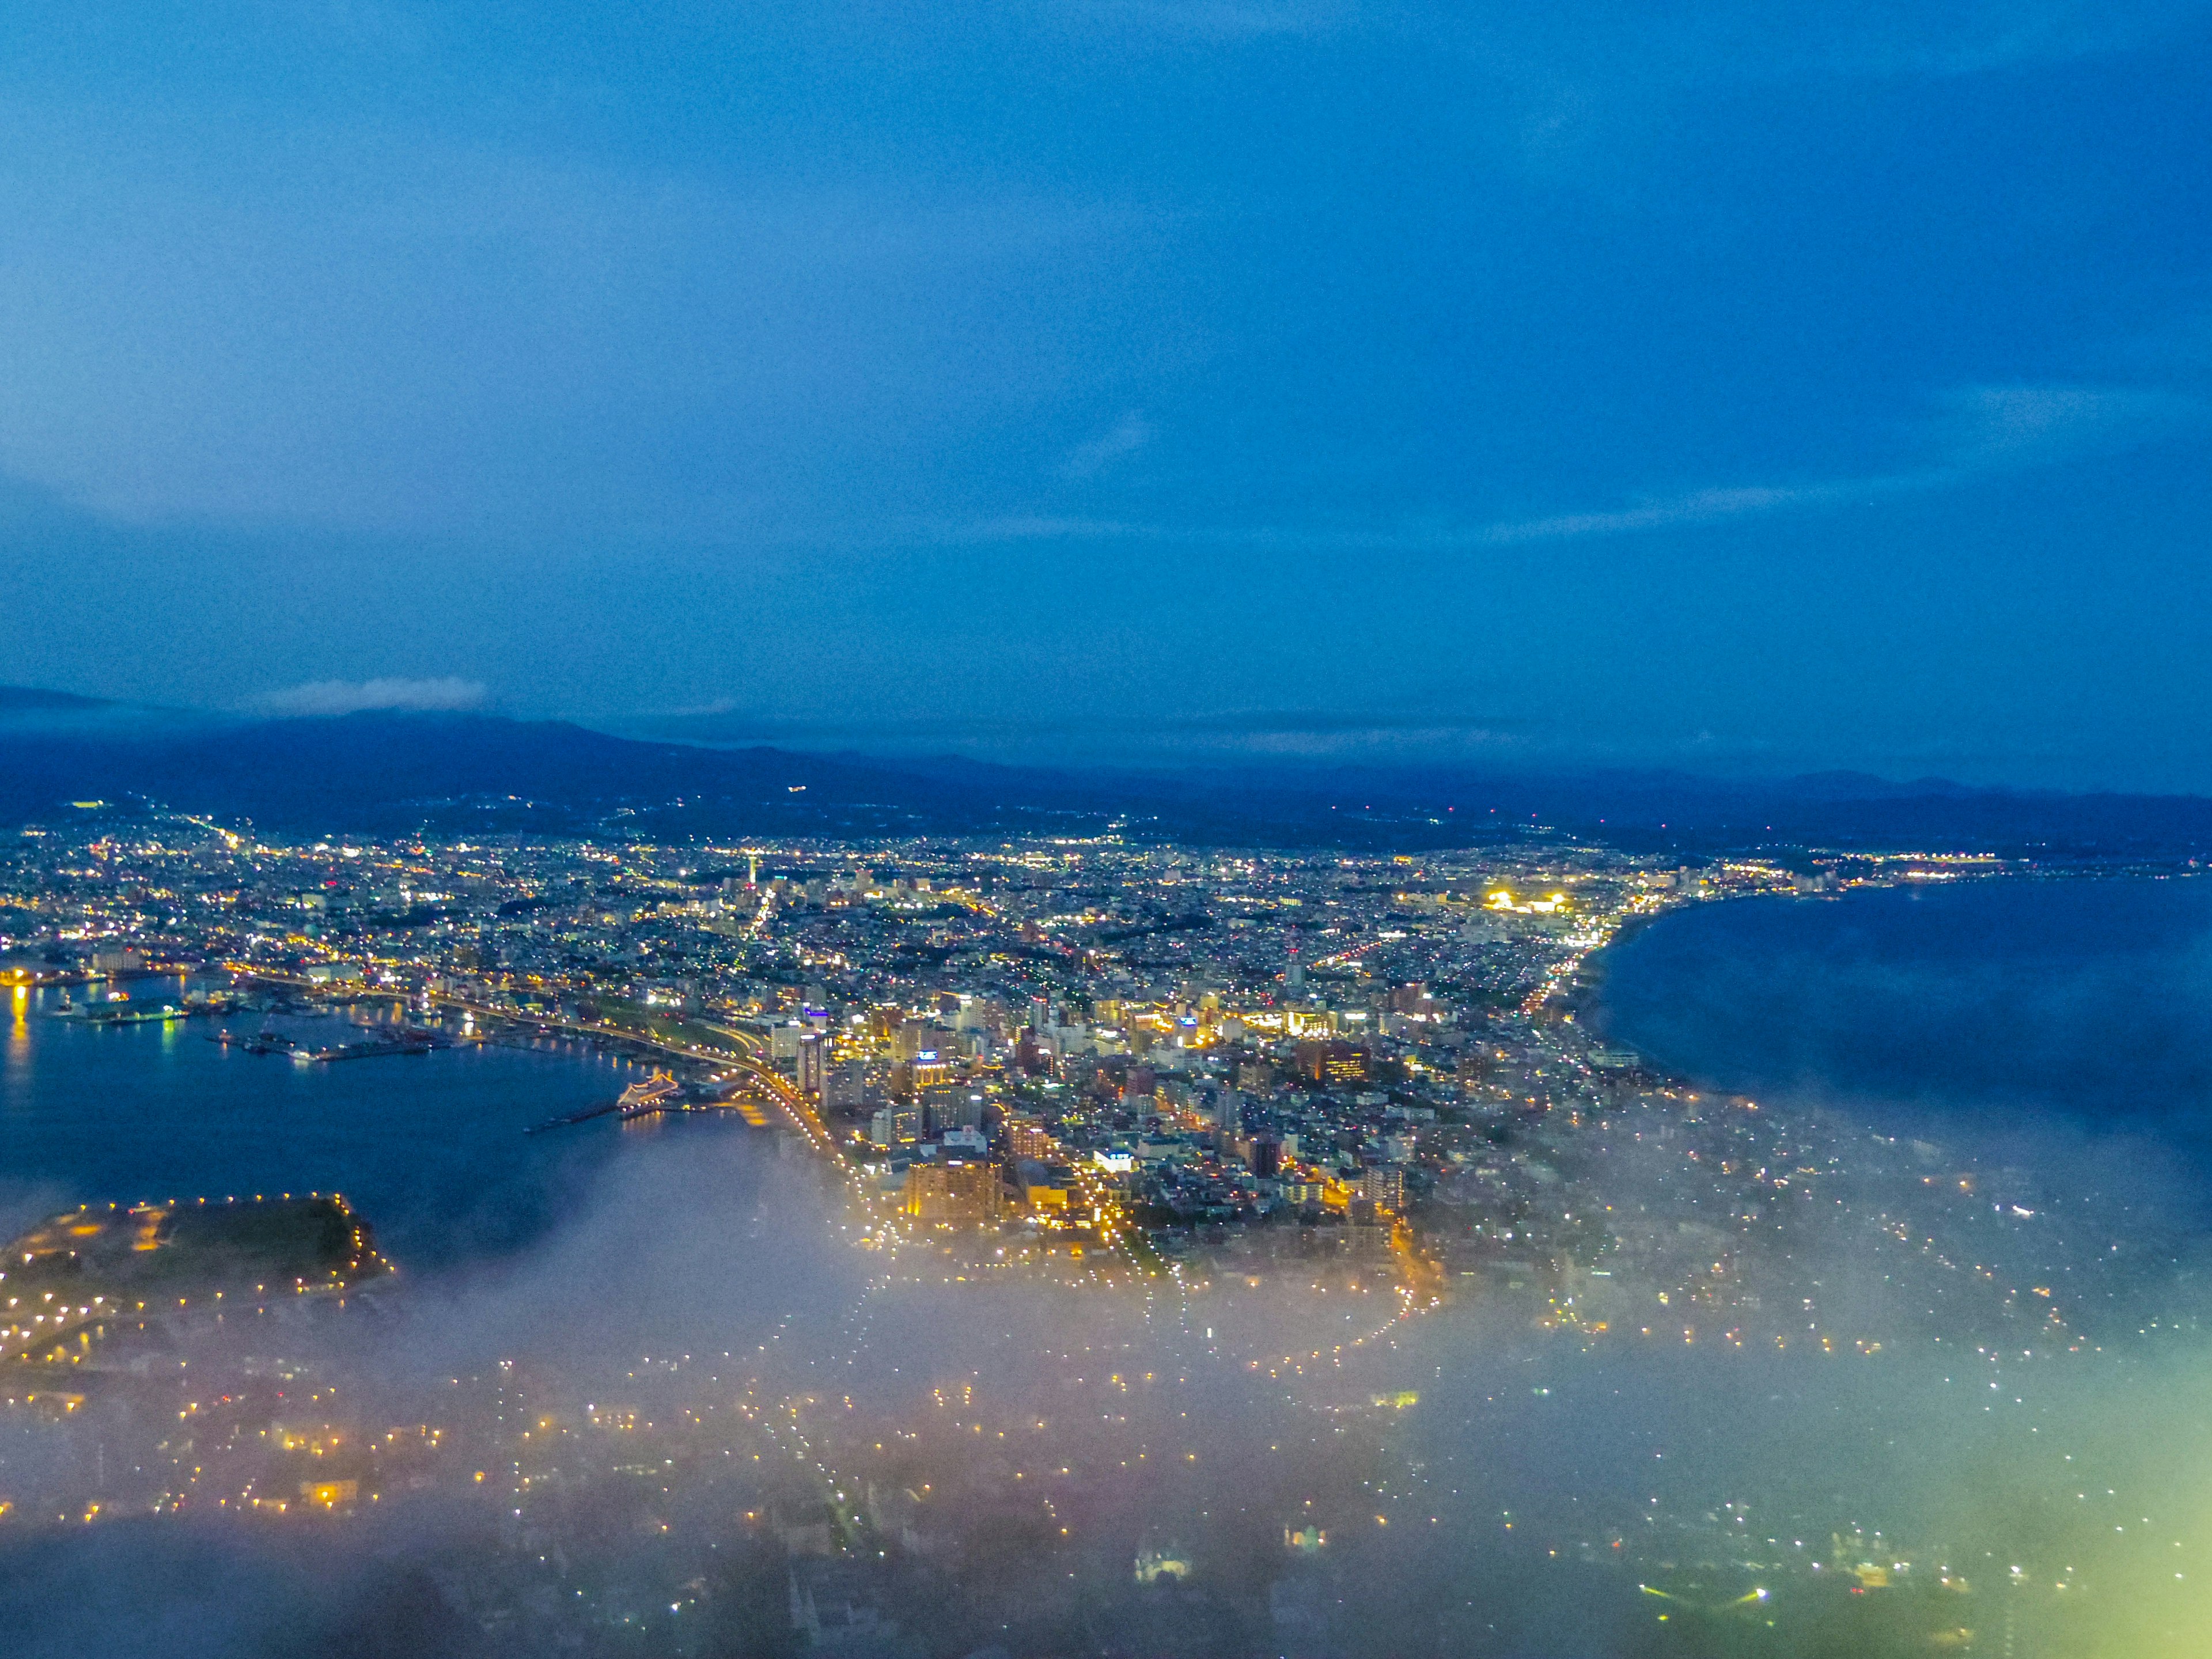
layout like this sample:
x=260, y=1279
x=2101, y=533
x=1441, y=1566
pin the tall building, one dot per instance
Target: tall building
x=1228, y=1112
x=1332, y=1061
x=958, y=1192
x=894, y=1125
x=845, y=1086
x=916, y=1037
x=1384, y=1187
x=952, y=1106
x=812, y=1061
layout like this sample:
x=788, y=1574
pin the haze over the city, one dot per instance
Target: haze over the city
x=1106, y=830
x=1728, y=389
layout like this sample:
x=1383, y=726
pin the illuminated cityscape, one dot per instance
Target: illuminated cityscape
x=1123, y=1180
x=1106, y=830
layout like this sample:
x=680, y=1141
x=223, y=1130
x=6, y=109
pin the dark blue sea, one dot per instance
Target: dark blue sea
x=431, y=1148
x=2000, y=1011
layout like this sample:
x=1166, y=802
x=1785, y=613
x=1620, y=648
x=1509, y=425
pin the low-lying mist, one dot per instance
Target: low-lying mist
x=719, y=1410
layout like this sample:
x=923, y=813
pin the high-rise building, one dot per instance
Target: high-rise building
x=1228, y=1112
x=894, y=1125
x=952, y=1106
x=812, y=1059
x=914, y=1038
x=845, y=1086
x=1332, y=1061
x=955, y=1191
x=1384, y=1187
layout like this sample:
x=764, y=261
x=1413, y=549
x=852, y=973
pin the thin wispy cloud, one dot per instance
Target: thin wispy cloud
x=1231, y=24
x=1614, y=43
x=324, y=698
x=901, y=386
x=1126, y=437
x=1975, y=432
x=1978, y=432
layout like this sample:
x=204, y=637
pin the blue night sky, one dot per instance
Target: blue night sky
x=1738, y=387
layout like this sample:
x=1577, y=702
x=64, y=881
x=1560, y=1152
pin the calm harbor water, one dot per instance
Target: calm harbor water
x=1999, y=1008
x=431, y=1148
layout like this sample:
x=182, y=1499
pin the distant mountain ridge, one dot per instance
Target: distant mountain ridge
x=382, y=772
x=15, y=698
x=30, y=711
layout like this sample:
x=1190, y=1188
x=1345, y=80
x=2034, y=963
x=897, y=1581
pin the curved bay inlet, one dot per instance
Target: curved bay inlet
x=2064, y=1026
x=429, y=1148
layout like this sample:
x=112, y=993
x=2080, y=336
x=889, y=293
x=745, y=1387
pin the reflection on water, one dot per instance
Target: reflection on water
x=429, y=1146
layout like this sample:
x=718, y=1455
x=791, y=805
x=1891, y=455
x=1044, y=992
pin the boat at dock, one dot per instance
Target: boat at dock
x=658, y=1093
x=128, y=1015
